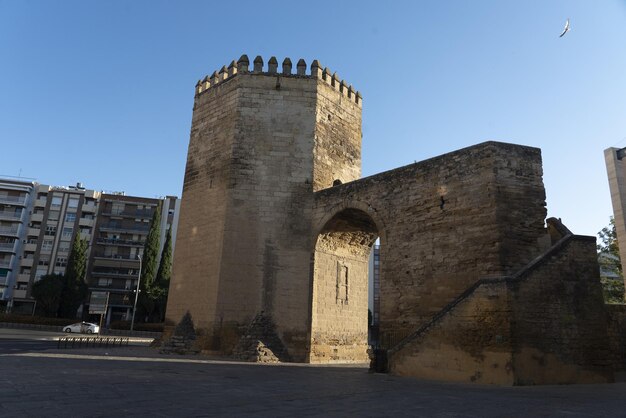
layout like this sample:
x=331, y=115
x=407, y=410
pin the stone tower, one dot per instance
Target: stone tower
x=276, y=226
x=263, y=140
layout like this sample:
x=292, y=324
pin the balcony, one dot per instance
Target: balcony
x=126, y=229
x=115, y=262
x=123, y=242
x=86, y=222
x=10, y=216
x=26, y=262
x=115, y=256
x=9, y=230
x=5, y=263
x=41, y=203
x=36, y=217
x=31, y=248
x=114, y=274
x=13, y=200
x=117, y=288
x=147, y=214
x=4, y=280
x=23, y=277
x=33, y=232
x=19, y=293
x=89, y=208
x=7, y=247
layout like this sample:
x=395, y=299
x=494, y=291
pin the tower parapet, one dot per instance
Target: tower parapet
x=242, y=66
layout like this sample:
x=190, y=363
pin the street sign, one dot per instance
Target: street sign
x=98, y=303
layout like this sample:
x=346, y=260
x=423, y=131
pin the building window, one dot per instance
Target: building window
x=61, y=262
x=117, y=208
x=342, y=284
x=40, y=272
x=53, y=215
x=46, y=245
x=67, y=232
x=105, y=282
x=72, y=203
x=70, y=217
x=56, y=200
x=64, y=246
x=44, y=260
x=51, y=230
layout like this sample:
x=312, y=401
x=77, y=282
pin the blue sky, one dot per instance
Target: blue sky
x=102, y=91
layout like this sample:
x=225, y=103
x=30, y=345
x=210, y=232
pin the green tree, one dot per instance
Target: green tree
x=74, y=286
x=161, y=285
x=610, y=264
x=47, y=292
x=149, y=265
x=165, y=266
x=150, y=259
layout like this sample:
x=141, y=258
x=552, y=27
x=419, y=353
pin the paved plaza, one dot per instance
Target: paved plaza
x=39, y=380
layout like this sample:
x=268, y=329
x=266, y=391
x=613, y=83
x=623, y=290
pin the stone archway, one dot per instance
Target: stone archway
x=340, y=287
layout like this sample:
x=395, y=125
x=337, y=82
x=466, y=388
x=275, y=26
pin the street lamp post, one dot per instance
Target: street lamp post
x=132, y=322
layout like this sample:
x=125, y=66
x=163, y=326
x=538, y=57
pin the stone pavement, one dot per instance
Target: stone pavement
x=137, y=381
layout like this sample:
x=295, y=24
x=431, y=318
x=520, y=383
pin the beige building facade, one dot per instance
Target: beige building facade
x=16, y=200
x=616, y=171
x=58, y=214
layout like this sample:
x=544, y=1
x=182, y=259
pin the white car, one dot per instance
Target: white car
x=82, y=327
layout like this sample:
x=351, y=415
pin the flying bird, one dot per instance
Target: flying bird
x=565, y=29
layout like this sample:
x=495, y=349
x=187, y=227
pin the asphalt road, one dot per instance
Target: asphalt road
x=38, y=380
x=21, y=341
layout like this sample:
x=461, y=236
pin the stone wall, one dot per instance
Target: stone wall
x=560, y=333
x=544, y=325
x=469, y=343
x=261, y=142
x=340, y=286
x=337, y=152
x=617, y=335
x=204, y=206
x=276, y=225
x=446, y=222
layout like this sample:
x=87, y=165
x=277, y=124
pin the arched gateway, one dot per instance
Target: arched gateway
x=276, y=225
x=339, y=306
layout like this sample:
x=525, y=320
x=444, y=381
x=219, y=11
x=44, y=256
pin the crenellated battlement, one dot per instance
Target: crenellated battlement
x=242, y=66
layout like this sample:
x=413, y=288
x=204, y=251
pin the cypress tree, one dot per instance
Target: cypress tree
x=77, y=261
x=150, y=260
x=162, y=282
x=165, y=266
x=74, y=286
